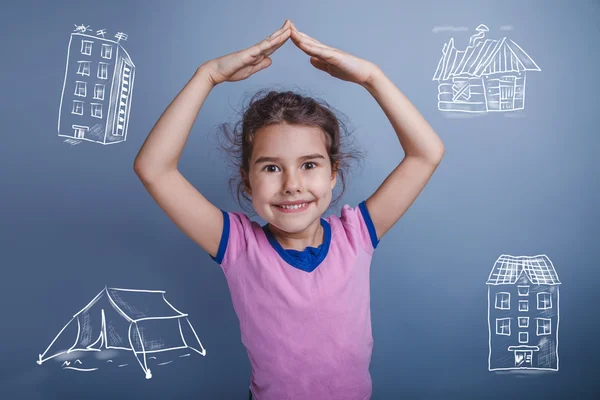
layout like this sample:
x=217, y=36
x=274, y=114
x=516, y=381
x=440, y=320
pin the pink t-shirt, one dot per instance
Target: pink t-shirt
x=305, y=316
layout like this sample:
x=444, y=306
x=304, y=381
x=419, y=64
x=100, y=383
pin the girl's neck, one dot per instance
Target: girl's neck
x=300, y=244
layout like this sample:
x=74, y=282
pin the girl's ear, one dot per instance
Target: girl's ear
x=334, y=170
x=245, y=181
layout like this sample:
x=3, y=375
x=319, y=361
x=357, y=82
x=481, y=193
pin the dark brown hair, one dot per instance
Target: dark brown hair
x=276, y=107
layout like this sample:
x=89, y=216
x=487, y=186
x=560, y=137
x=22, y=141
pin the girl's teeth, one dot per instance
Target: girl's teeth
x=294, y=207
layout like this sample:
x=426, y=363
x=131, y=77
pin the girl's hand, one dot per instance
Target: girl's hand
x=335, y=62
x=240, y=65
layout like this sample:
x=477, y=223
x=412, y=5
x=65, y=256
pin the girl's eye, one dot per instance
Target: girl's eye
x=269, y=166
x=310, y=162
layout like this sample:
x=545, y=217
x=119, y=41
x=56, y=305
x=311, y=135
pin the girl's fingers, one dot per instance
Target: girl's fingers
x=279, y=31
x=323, y=53
x=308, y=38
x=314, y=48
x=276, y=39
x=268, y=46
x=277, y=43
x=302, y=36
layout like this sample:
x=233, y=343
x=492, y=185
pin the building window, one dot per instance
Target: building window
x=523, y=337
x=79, y=131
x=461, y=89
x=83, y=68
x=523, y=290
x=523, y=305
x=503, y=326
x=86, y=47
x=96, y=110
x=80, y=88
x=503, y=301
x=544, y=301
x=99, y=91
x=523, y=322
x=106, y=51
x=543, y=326
x=77, y=107
x=102, y=70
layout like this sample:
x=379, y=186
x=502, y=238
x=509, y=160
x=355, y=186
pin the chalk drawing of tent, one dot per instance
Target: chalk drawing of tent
x=141, y=321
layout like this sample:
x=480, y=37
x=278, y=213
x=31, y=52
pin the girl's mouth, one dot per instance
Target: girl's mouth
x=294, y=209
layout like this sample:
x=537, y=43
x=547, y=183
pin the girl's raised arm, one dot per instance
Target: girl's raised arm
x=157, y=160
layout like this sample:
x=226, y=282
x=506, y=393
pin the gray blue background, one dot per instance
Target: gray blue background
x=76, y=218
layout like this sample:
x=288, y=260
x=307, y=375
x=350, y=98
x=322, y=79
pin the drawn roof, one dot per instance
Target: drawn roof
x=136, y=305
x=508, y=269
x=484, y=58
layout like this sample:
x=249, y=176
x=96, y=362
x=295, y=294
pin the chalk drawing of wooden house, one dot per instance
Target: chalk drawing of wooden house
x=523, y=313
x=489, y=75
x=97, y=90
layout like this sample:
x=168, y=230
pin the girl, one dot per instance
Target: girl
x=299, y=284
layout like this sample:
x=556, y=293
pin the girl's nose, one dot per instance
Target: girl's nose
x=292, y=183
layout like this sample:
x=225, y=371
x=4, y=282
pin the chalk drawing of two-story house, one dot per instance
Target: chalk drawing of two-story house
x=98, y=86
x=489, y=75
x=523, y=313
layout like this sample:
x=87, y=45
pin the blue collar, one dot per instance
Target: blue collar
x=307, y=259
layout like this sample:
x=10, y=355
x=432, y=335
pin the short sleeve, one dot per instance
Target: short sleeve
x=234, y=241
x=360, y=220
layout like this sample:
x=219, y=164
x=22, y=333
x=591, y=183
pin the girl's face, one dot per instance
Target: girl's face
x=279, y=173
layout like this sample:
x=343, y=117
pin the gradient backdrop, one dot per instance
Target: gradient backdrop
x=76, y=218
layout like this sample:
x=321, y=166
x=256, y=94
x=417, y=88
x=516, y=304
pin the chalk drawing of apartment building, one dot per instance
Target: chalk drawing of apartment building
x=523, y=313
x=489, y=75
x=97, y=91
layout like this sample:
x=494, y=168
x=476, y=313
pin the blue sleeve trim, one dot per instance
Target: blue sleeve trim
x=224, y=239
x=369, y=222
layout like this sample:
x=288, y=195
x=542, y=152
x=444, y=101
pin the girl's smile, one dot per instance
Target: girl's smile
x=294, y=209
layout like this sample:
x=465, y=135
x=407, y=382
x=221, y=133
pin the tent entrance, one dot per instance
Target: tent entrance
x=100, y=343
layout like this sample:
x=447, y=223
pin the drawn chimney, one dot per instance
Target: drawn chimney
x=481, y=30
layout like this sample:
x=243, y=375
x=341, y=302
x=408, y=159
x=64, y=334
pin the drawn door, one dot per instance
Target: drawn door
x=79, y=131
x=523, y=358
x=507, y=93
